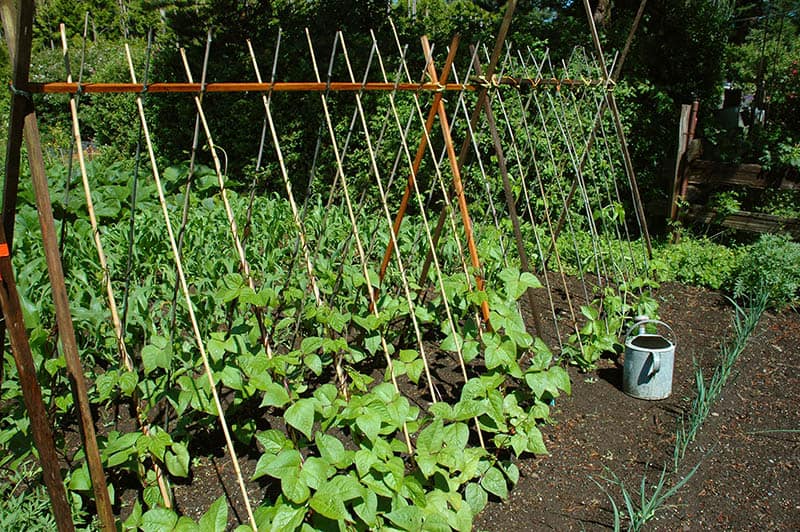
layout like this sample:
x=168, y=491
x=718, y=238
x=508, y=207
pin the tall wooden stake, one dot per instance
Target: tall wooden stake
x=22, y=50
x=511, y=204
x=473, y=120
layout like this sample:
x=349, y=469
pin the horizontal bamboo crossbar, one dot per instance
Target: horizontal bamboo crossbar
x=61, y=87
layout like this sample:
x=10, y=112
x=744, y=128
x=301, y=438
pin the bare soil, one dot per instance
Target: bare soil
x=748, y=450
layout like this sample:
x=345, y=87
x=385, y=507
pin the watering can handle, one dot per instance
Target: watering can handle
x=657, y=322
x=656, y=363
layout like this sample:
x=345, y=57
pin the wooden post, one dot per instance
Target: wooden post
x=457, y=184
x=23, y=30
x=473, y=120
x=511, y=204
x=423, y=144
x=9, y=298
x=683, y=143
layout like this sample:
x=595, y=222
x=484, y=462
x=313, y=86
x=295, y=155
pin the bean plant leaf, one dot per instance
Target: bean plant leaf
x=274, y=395
x=156, y=355
x=476, y=497
x=495, y=483
x=288, y=517
x=279, y=465
x=158, y=520
x=300, y=415
x=407, y=517
x=177, y=460
x=327, y=500
x=216, y=518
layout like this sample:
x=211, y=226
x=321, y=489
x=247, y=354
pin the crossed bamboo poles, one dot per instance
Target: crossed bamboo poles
x=432, y=236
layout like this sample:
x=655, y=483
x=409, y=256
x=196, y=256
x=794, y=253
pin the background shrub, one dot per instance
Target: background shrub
x=771, y=264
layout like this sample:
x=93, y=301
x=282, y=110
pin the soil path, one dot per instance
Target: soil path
x=748, y=449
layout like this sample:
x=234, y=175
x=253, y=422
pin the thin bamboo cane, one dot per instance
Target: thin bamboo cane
x=125, y=358
x=557, y=175
x=359, y=246
x=476, y=113
x=189, y=303
x=244, y=264
x=440, y=278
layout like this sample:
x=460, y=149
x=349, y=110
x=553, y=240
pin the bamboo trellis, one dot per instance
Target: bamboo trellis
x=534, y=113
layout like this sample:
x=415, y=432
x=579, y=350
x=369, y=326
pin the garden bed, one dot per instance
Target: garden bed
x=748, y=477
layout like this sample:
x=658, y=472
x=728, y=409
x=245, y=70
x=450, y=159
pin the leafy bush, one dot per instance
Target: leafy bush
x=769, y=264
x=698, y=262
x=23, y=502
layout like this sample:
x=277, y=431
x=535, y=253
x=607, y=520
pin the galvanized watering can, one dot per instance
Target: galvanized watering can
x=649, y=361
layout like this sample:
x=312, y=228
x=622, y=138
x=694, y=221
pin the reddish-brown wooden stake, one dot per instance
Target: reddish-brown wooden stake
x=457, y=185
x=23, y=29
x=423, y=144
x=31, y=393
x=9, y=298
x=473, y=120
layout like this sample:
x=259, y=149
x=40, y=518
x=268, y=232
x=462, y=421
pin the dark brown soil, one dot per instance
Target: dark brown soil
x=748, y=449
x=749, y=457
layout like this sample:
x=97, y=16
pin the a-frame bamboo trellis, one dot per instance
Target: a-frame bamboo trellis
x=516, y=153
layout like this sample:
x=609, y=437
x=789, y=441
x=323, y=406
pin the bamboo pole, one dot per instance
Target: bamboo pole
x=32, y=393
x=478, y=84
x=354, y=225
x=392, y=235
x=125, y=358
x=58, y=87
x=189, y=304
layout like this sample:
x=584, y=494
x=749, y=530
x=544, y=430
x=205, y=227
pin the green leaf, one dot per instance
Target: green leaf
x=367, y=509
x=283, y=464
x=300, y=415
x=159, y=520
x=370, y=424
x=178, y=460
x=476, y=497
x=79, y=480
x=331, y=449
x=287, y=518
x=327, y=501
x=216, y=518
x=275, y=395
x=185, y=524
x=156, y=355
x=494, y=482
x=407, y=518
